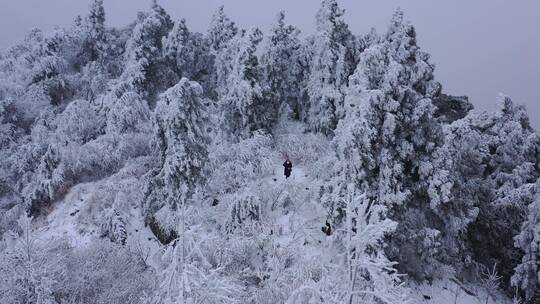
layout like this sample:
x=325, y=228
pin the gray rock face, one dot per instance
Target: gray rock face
x=451, y=108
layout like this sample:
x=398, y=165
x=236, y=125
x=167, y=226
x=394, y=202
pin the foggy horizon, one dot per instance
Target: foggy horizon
x=479, y=49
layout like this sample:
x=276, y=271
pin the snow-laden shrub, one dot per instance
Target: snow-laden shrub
x=31, y=103
x=113, y=227
x=47, y=67
x=31, y=268
x=245, y=214
x=102, y=156
x=50, y=271
x=306, y=148
x=240, y=255
x=104, y=273
x=90, y=83
x=188, y=273
x=128, y=114
x=80, y=122
x=118, y=193
x=235, y=165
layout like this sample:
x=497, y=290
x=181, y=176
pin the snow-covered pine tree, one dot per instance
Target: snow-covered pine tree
x=511, y=171
x=158, y=9
x=43, y=188
x=515, y=149
x=301, y=71
x=457, y=187
x=45, y=57
x=221, y=31
x=370, y=275
x=113, y=226
x=278, y=58
x=181, y=147
x=94, y=44
x=11, y=137
x=189, y=53
x=331, y=64
x=145, y=72
x=93, y=82
x=22, y=157
x=369, y=39
x=392, y=136
x=177, y=48
x=243, y=98
x=48, y=67
x=245, y=215
x=526, y=275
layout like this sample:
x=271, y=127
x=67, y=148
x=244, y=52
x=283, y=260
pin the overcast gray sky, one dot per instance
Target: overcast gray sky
x=480, y=47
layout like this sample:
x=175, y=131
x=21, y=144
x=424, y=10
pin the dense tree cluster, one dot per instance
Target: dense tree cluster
x=183, y=130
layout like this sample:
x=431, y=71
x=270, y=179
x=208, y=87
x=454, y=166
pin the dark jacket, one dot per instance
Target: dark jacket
x=288, y=167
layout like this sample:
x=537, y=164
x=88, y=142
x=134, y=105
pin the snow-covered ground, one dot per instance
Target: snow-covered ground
x=77, y=217
x=302, y=223
x=292, y=212
x=450, y=292
x=63, y=222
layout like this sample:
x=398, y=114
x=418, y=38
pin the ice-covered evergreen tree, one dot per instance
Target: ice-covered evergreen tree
x=221, y=31
x=80, y=123
x=243, y=98
x=392, y=137
x=178, y=49
x=366, y=226
x=279, y=56
x=43, y=188
x=514, y=162
x=457, y=188
x=511, y=171
x=114, y=226
x=330, y=67
x=94, y=44
x=144, y=72
x=181, y=146
x=301, y=71
x=46, y=79
x=190, y=54
x=370, y=39
x=527, y=274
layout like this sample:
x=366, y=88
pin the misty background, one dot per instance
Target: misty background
x=480, y=48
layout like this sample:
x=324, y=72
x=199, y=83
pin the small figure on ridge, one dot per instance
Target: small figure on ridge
x=288, y=168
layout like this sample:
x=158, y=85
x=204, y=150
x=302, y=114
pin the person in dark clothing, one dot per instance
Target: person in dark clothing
x=288, y=168
x=327, y=229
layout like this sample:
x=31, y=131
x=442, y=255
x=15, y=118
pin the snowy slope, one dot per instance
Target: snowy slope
x=449, y=292
x=291, y=212
x=79, y=215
